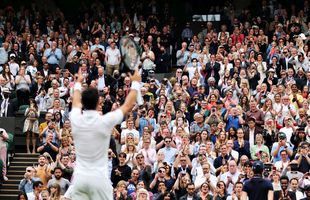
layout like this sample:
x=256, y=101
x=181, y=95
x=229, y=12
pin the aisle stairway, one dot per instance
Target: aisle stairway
x=15, y=174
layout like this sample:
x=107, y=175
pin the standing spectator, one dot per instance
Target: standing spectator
x=3, y=152
x=7, y=105
x=181, y=61
x=23, y=83
x=112, y=58
x=53, y=55
x=31, y=124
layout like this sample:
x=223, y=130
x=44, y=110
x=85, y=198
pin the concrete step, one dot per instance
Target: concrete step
x=9, y=186
x=9, y=191
x=36, y=155
x=8, y=196
x=14, y=181
x=16, y=172
x=22, y=163
x=22, y=159
x=13, y=176
x=19, y=168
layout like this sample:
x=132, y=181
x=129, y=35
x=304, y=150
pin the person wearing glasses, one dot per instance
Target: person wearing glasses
x=169, y=151
x=26, y=184
x=159, y=177
x=191, y=193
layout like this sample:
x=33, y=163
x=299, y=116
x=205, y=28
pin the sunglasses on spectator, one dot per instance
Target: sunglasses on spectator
x=161, y=171
x=139, y=157
x=168, y=141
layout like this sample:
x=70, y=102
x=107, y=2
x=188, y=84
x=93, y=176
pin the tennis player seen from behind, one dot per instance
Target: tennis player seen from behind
x=91, y=133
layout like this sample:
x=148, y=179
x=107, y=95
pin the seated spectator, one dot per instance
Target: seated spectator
x=26, y=184
x=49, y=146
x=63, y=183
x=258, y=148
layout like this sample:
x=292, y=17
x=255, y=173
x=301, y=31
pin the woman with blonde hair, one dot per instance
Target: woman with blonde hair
x=131, y=152
x=180, y=184
x=268, y=110
x=169, y=109
x=258, y=147
x=143, y=194
x=65, y=147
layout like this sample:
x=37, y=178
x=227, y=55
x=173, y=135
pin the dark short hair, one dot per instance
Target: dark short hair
x=37, y=184
x=57, y=168
x=284, y=177
x=90, y=98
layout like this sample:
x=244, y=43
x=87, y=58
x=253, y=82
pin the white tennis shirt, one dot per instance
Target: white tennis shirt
x=91, y=134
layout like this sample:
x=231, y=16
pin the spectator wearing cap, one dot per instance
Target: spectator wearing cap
x=14, y=66
x=282, y=144
x=292, y=171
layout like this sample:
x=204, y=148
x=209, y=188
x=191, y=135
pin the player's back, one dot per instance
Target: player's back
x=91, y=135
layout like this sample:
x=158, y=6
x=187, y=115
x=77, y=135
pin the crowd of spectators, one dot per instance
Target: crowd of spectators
x=240, y=93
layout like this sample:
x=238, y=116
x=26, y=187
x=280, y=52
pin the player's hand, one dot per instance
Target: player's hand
x=136, y=76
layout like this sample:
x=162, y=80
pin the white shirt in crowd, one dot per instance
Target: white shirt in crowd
x=113, y=56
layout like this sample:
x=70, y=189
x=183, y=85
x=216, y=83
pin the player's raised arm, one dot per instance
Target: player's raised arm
x=76, y=102
x=132, y=96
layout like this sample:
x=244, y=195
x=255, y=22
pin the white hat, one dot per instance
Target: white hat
x=303, y=36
